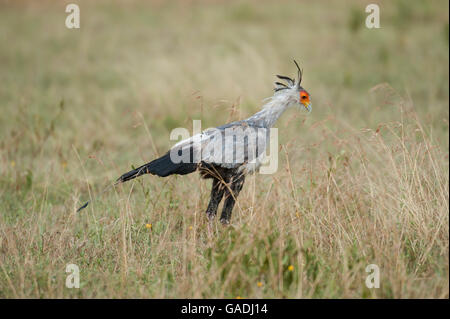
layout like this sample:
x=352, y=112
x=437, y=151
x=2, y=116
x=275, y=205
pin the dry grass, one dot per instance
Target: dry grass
x=362, y=180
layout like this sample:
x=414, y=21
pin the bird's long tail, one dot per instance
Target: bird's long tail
x=162, y=166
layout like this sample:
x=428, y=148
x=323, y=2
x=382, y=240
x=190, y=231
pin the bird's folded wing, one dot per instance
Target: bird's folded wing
x=228, y=146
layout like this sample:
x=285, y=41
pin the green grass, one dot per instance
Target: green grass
x=362, y=180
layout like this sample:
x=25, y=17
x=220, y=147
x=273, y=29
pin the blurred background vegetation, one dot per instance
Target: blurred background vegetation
x=81, y=106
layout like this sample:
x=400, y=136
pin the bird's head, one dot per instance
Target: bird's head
x=301, y=96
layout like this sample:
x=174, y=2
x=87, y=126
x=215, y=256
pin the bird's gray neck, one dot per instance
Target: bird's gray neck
x=271, y=111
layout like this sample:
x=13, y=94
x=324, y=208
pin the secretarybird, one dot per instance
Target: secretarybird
x=228, y=153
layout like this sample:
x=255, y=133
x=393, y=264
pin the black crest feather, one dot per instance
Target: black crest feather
x=290, y=82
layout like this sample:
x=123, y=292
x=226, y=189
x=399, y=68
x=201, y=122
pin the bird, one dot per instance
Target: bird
x=228, y=153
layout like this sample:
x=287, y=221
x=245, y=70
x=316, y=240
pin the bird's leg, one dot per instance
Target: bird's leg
x=216, y=196
x=230, y=198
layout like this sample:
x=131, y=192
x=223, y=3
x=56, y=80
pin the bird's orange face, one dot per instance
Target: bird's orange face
x=305, y=100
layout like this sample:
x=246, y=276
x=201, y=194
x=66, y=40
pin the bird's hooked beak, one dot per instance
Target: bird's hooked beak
x=307, y=106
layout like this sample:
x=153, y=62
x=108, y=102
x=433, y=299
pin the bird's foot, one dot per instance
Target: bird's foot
x=210, y=216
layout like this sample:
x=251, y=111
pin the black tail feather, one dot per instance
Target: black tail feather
x=83, y=207
x=162, y=166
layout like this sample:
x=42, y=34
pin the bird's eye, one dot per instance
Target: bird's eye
x=304, y=97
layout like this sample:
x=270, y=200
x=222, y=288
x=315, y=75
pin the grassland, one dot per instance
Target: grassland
x=362, y=180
